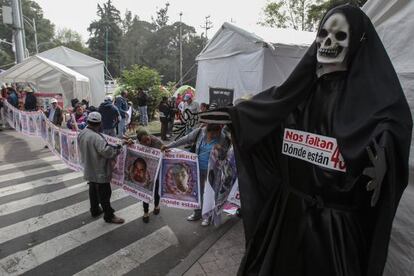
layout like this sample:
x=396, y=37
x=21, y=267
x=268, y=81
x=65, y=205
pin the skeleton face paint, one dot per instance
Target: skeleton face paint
x=333, y=40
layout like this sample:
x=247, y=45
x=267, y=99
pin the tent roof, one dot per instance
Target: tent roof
x=231, y=40
x=70, y=57
x=35, y=67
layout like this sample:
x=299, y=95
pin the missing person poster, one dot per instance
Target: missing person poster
x=118, y=163
x=179, y=180
x=9, y=111
x=24, y=119
x=221, y=96
x=221, y=175
x=31, y=123
x=70, y=150
x=141, y=169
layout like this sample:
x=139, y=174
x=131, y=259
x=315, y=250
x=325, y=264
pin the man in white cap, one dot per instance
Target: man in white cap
x=95, y=153
x=110, y=116
x=54, y=113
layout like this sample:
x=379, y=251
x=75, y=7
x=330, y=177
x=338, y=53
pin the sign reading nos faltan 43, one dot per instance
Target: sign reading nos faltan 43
x=316, y=149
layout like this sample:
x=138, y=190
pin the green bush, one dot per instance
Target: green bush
x=149, y=80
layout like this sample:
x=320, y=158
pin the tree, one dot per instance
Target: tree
x=287, y=13
x=162, y=17
x=45, y=31
x=106, y=33
x=71, y=39
x=318, y=9
x=147, y=79
x=300, y=14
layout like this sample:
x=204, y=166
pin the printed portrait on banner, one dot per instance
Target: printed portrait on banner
x=179, y=180
x=118, y=163
x=31, y=123
x=56, y=135
x=64, y=145
x=23, y=119
x=72, y=141
x=43, y=128
x=17, y=121
x=50, y=134
x=141, y=169
x=10, y=115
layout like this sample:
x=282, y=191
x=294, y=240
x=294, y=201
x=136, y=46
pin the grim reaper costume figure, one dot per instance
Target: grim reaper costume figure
x=323, y=159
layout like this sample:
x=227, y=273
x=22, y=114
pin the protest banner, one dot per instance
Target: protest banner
x=17, y=123
x=31, y=123
x=74, y=159
x=179, y=180
x=118, y=163
x=56, y=140
x=23, y=122
x=234, y=196
x=141, y=169
x=313, y=148
x=9, y=111
x=222, y=174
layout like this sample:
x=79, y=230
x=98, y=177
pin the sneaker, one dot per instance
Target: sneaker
x=205, y=222
x=194, y=217
x=145, y=218
x=156, y=210
x=116, y=220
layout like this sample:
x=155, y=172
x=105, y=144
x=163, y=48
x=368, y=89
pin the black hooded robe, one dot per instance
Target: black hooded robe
x=301, y=218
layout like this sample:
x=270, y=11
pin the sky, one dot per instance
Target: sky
x=78, y=14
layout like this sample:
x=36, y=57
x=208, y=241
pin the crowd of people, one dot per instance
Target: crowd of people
x=113, y=117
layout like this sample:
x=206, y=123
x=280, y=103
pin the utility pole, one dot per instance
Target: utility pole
x=35, y=35
x=18, y=31
x=208, y=25
x=181, y=50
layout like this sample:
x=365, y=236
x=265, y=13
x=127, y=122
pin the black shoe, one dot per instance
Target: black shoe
x=156, y=211
x=194, y=217
x=145, y=218
x=97, y=213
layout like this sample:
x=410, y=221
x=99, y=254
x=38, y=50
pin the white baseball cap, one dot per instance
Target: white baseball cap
x=94, y=117
x=53, y=100
x=108, y=98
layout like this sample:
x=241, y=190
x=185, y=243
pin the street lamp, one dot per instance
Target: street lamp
x=33, y=26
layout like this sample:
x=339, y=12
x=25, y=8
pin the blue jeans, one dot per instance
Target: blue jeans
x=121, y=128
x=143, y=116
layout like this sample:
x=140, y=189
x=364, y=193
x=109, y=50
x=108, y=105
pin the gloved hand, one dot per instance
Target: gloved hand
x=377, y=172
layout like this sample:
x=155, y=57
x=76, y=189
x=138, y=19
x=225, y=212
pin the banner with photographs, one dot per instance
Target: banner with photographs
x=9, y=113
x=118, y=163
x=23, y=122
x=141, y=169
x=179, y=180
x=234, y=196
x=221, y=175
x=69, y=149
x=31, y=123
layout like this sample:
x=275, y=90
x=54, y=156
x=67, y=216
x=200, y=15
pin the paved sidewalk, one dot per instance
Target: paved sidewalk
x=223, y=257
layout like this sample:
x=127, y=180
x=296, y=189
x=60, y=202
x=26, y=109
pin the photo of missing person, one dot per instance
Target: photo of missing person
x=31, y=124
x=65, y=146
x=179, y=180
x=57, y=140
x=140, y=171
x=43, y=128
x=73, y=150
x=49, y=135
x=18, y=123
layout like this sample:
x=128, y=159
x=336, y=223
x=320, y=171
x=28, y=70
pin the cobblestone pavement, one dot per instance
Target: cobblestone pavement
x=223, y=258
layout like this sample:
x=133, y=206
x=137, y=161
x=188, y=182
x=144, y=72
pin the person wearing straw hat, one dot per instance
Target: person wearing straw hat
x=30, y=103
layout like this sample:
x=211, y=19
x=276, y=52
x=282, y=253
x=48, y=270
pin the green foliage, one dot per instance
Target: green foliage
x=162, y=17
x=107, y=30
x=70, y=39
x=45, y=31
x=300, y=14
x=147, y=79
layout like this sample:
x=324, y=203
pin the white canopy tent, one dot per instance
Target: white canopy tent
x=394, y=22
x=49, y=77
x=249, y=62
x=88, y=66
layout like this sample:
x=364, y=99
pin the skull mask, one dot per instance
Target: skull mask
x=333, y=40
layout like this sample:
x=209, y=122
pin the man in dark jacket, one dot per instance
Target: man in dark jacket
x=122, y=104
x=13, y=99
x=143, y=107
x=110, y=116
x=30, y=102
x=164, y=117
